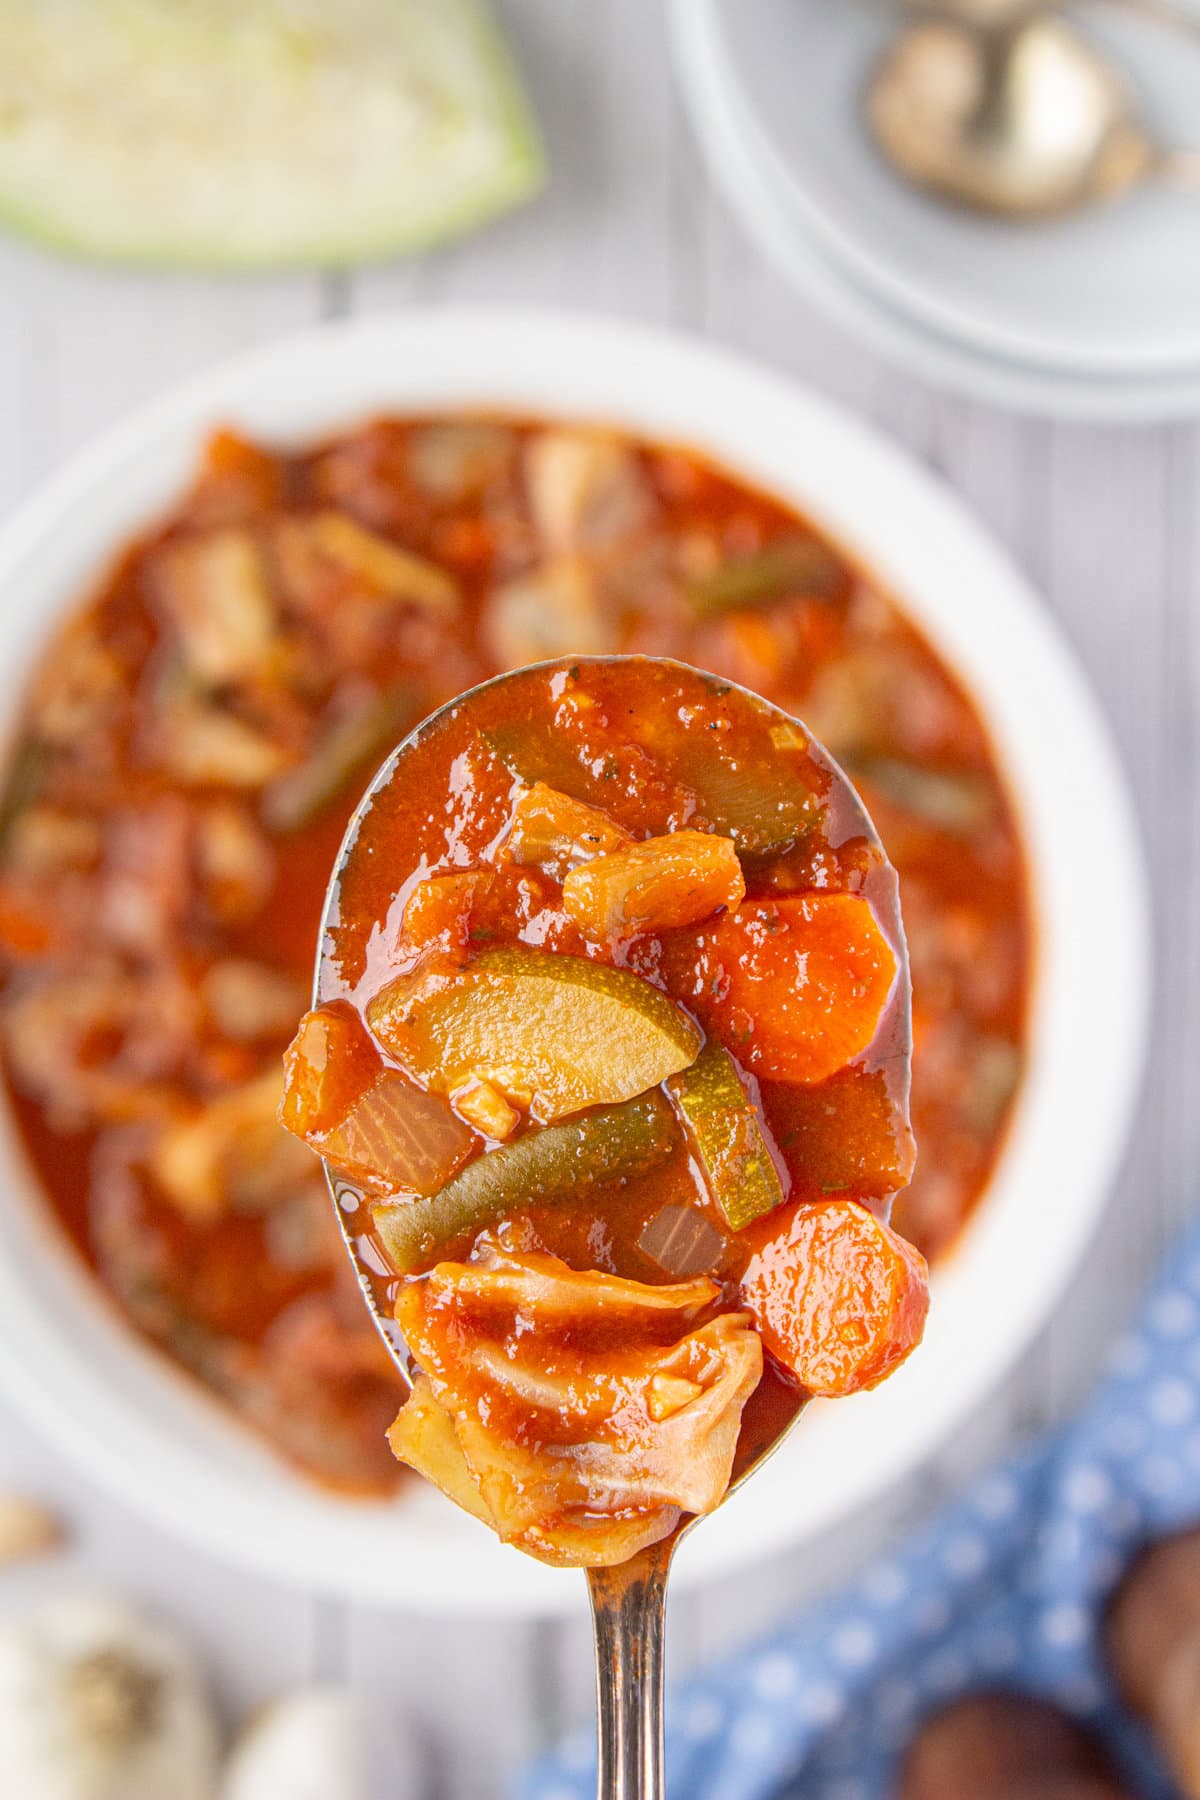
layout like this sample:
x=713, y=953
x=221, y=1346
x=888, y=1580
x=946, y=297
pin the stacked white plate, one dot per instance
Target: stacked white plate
x=1093, y=316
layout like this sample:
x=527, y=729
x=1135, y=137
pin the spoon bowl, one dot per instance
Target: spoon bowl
x=628, y=1599
x=1016, y=115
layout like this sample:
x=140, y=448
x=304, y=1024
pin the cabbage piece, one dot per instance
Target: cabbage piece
x=214, y=590
x=388, y=569
x=552, y=610
x=587, y=490
x=590, y=1412
x=229, y=1155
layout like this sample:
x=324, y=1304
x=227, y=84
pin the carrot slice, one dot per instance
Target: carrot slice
x=328, y=1067
x=796, y=987
x=663, y=883
x=839, y=1297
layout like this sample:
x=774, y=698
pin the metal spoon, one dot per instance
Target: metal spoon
x=1020, y=117
x=628, y=1601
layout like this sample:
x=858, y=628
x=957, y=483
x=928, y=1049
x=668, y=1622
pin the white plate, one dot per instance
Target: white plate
x=918, y=317
x=135, y=1425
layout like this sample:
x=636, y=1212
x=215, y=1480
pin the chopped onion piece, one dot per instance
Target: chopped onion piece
x=682, y=1241
x=398, y=1138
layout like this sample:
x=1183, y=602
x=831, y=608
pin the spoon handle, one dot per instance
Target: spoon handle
x=628, y=1616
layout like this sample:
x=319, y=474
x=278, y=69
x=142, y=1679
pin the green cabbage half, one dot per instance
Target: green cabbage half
x=257, y=133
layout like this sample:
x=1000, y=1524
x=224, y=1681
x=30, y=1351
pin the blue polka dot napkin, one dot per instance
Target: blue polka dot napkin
x=1003, y=1589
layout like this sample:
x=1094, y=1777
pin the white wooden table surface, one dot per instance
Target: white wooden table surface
x=1107, y=522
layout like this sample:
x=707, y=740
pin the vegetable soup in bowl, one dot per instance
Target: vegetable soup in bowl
x=277, y=575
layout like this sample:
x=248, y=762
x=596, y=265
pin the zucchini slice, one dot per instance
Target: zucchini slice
x=559, y=1032
x=727, y=1137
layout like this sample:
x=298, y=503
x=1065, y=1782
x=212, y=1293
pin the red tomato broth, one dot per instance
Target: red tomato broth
x=257, y=1299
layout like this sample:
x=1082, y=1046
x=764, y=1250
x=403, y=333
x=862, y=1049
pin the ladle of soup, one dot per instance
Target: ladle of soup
x=609, y=1068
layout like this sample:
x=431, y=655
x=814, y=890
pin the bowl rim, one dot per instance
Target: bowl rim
x=207, y=1482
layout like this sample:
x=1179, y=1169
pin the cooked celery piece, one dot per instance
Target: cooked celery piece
x=558, y=1032
x=764, y=804
x=213, y=588
x=764, y=807
x=556, y=1163
x=295, y=799
x=790, y=565
x=555, y=833
x=215, y=133
x=727, y=1137
x=534, y=758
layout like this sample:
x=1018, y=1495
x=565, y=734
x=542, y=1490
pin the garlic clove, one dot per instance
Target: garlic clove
x=99, y=1703
x=27, y=1529
x=308, y=1746
x=320, y=1744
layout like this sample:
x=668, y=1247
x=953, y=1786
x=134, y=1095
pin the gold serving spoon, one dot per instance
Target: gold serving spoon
x=1009, y=110
x=629, y=1600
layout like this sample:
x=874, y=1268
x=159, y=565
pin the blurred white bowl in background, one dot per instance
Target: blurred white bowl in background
x=138, y=1427
x=1092, y=316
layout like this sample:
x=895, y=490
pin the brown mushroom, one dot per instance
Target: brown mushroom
x=1153, y=1642
x=1005, y=1746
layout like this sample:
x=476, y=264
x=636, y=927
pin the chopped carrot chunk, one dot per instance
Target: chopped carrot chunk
x=660, y=884
x=796, y=988
x=440, y=909
x=839, y=1297
x=243, y=477
x=328, y=1066
x=553, y=832
x=25, y=928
